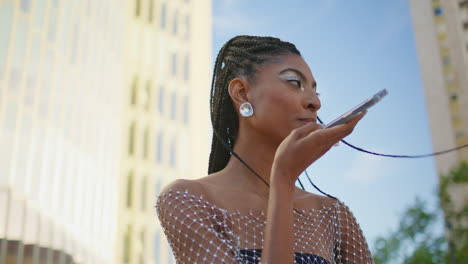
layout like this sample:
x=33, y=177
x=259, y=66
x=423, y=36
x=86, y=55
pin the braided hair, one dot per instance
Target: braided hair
x=240, y=56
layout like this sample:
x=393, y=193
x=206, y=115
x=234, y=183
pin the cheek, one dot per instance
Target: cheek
x=278, y=108
x=285, y=101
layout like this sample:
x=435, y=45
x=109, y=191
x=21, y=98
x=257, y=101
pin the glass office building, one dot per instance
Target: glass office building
x=101, y=104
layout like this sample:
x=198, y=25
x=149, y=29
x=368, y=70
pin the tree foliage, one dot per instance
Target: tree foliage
x=417, y=241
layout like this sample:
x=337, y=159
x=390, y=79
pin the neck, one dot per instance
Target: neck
x=256, y=152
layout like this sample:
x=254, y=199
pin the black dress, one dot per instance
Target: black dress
x=252, y=256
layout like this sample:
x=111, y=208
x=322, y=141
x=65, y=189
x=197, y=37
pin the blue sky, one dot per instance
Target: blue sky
x=354, y=49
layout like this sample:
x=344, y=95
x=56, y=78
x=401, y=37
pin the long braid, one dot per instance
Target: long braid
x=239, y=56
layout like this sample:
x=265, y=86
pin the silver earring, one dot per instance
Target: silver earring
x=246, y=109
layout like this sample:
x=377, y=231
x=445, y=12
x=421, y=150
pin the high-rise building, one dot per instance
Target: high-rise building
x=101, y=104
x=441, y=32
x=167, y=66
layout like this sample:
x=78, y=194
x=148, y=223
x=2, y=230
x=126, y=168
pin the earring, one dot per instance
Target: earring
x=246, y=109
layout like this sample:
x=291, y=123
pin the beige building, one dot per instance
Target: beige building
x=166, y=115
x=441, y=32
x=101, y=104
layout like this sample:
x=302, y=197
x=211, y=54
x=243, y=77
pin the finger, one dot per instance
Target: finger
x=306, y=129
x=347, y=128
x=332, y=135
x=353, y=121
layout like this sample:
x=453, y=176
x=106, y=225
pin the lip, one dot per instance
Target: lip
x=307, y=120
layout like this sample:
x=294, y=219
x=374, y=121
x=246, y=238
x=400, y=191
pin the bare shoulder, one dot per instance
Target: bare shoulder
x=309, y=200
x=184, y=185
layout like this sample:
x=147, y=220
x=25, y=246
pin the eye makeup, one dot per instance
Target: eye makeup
x=295, y=81
x=291, y=77
x=294, y=75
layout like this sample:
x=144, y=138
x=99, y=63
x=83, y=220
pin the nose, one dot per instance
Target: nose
x=312, y=101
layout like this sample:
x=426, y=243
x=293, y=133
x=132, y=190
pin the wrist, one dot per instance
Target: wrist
x=280, y=182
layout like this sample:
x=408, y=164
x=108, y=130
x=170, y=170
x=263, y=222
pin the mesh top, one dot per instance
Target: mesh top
x=200, y=232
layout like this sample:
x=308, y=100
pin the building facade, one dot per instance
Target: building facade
x=167, y=68
x=101, y=104
x=441, y=32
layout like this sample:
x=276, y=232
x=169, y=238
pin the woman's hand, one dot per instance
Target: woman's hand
x=305, y=145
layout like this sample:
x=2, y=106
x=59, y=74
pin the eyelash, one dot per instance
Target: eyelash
x=298, y=83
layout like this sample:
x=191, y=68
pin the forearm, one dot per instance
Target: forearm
x=279, y=233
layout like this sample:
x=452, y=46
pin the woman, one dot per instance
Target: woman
x=248, y=210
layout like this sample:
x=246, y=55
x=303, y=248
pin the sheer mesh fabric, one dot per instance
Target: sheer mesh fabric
x=200, y=232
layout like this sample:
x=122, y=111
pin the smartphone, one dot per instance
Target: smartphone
x=358, y=109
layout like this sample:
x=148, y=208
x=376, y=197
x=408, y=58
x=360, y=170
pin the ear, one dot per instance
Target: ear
x=238, y=90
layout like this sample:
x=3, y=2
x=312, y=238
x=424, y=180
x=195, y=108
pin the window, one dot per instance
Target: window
x=127, y=245
x=144, y=188
x=130, y=179
x=170, y=256
x=187, y=27
x=157, y=247
x=29, y=91
x=143, y=246
x=145, y=143
x=89, y=7
x=175, y=24
x=25, y=5
x=34, y=56
x=453, y=97
x=161, y=100
x=131, y=139
x=19, y=46
x=137, y=8
x=150, y=11
x=52, y=23
x=446, y=60
x=157, y=188
x=148, y=89
x=172, y=153
x=134, y=95
x=186, y=68
x=174, y=64
x=173, y=106
x=163, y=16
x=186, y=109
x=159, y=147
x=15, y=79
x=39, y=11
x=6, y=14
x=13, y=250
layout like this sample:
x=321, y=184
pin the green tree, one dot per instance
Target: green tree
x=456, y=215
x=417, y=241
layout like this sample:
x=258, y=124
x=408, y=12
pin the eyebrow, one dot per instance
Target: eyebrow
x=301, y=75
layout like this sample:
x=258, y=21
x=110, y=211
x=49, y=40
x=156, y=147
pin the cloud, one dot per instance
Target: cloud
x=367, y=169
